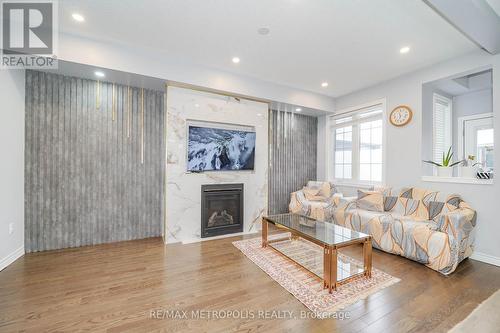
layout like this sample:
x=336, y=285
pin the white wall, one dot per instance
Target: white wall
x=148, y=63
x=183, y=209
x=12, y=165
x=404, y=146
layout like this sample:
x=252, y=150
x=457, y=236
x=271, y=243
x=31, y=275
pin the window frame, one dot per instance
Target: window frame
x=461, y=130
x=330, y=146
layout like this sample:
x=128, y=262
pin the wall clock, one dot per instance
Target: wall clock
x=401, y=115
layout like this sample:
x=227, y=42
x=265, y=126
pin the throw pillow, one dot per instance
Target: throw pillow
x=370, y=200
x=324, y=188
x=313, y=194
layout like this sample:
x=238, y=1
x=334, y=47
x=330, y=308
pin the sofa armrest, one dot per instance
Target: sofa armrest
x=319, y=209
x=298, y=203
x=457, y=223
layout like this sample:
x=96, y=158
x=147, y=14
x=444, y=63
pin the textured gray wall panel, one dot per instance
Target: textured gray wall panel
x=292, y=154
x=85, y=183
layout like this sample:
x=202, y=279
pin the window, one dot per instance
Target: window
x=357, y=145
x=370, y=151
x=343, y=152
x=442, y=125
x=477, y=139
x=485, y=147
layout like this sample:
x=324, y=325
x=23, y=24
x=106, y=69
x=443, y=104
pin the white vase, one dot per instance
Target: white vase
x=467, y=172
x=445, y=172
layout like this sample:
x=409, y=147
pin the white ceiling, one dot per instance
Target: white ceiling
x=351, y=44
x=456, y=86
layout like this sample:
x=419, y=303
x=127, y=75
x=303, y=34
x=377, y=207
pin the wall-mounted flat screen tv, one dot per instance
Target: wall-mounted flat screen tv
x=213, y=149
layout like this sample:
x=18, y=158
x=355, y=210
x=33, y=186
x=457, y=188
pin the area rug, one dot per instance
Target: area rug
x=484, y=318
x=303, y=284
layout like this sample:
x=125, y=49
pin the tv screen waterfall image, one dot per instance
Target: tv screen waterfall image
x=211, y=149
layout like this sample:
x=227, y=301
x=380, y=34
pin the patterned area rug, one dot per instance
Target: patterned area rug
x=306, y=286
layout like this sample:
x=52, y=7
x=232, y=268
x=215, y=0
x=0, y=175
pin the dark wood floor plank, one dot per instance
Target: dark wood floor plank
x=114, y=287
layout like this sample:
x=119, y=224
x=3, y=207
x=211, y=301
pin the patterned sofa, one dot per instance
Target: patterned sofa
x=317, y=200
x=419, y=224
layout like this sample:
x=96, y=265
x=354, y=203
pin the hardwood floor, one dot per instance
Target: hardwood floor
x=114, y=287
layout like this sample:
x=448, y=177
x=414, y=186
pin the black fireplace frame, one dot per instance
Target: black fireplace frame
x=220, y=230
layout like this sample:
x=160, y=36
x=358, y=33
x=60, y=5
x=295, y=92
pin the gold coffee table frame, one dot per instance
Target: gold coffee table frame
x=329, y=253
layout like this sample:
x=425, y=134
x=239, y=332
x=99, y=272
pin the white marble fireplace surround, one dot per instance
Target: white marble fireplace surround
x=183, y=206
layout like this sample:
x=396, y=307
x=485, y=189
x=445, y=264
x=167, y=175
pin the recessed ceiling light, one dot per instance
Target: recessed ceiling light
x=298, y=109
x=404, y=50
x=78, y=17
x=324, y=84
x=99, y=74
x=236, y=60
x=263, y=31
x=197, y=105
x=259, y=114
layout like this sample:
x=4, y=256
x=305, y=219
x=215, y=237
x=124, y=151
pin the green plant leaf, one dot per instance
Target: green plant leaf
x=453, y=164
x=432, y=162
x=447, y=158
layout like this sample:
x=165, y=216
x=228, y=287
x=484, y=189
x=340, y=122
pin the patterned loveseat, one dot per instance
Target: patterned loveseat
x=317, y=200
x=419, y=224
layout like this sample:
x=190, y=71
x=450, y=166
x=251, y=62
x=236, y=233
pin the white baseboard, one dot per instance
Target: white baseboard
x=486, y=258
x=4, y=262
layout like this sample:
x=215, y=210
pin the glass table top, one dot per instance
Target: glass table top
x=323, y=232
x=311, y=258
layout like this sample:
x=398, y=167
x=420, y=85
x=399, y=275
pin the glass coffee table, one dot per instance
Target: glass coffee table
x=330, y=237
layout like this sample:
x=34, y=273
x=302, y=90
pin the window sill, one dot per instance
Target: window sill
x=354, y=184
x=457, y=180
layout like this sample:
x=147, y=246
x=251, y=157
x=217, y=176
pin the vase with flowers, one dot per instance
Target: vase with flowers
x=468, y=167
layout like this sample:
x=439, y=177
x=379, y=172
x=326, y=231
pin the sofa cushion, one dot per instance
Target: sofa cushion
x=390, y=202
x=434, y=208
x=370, y=200
x=400, y=206
x=386, y=190
x=423, y=194
x=359, y=219
x=419, y=203
x=319, y=210
x=313, y=194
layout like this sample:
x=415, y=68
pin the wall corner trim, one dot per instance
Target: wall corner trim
x=4, y=262
x=486, y=258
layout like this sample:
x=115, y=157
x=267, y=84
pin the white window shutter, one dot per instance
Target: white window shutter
x=442, y=126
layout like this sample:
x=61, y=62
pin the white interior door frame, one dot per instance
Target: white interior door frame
x=461, y=129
